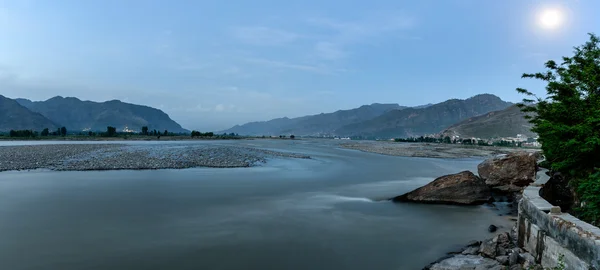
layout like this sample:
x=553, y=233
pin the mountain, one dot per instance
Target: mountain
x=505, y=123
x=420, y=121
x=78, y=115
x=15, y=116
x=314, y=125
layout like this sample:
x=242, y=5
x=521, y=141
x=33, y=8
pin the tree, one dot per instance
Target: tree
x=90, y=133
x=567, y=121
x=111, y=131
x=144, y=130
x=12, y=133
x=63, y=131
x=292, y=137
x=166, y=133
x=45, y=132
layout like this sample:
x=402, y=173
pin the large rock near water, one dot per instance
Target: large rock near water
x=509, y=173
x=460, y=188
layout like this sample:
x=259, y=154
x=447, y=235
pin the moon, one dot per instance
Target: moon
x=551, y=18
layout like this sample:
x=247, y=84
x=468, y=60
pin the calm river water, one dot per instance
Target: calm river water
x=321, y=213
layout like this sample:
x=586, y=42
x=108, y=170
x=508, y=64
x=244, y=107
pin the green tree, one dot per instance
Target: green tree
x=90, y=133
x=166, y=133
x=111, y=131
x=63, y=131
x=45, y=132
x=144, y=130
x=567, y=121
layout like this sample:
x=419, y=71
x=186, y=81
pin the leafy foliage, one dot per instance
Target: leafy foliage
x=111, y=131
x=589, y=193
x=568, y=119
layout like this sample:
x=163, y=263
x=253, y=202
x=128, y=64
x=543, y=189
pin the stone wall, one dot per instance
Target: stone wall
x=548, y=234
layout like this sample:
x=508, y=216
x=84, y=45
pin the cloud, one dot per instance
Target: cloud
x=328, y=50
x=287, y=65
x=263, y=36
x=346, y=33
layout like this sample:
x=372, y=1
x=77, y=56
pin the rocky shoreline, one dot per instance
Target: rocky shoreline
x=84, y=157
x=501, y=178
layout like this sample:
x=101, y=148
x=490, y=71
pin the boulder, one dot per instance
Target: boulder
x=503, y=260
x=460, y=262
x=489, y=247
x=557, y=192
x=492, y=228
x=461, y=188
x=509, y=173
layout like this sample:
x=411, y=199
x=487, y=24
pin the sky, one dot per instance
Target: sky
x=213, y=64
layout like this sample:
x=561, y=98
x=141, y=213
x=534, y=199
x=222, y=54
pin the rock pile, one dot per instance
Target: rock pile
x=497, y=253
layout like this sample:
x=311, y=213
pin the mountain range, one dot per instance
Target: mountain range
x=379, y=120
x=503, y=123
x=483, y=116
x=77, y=115
x=14, y=116
x=324, y=124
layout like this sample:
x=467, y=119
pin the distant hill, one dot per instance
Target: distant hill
x=15, y=116
x=78, y=115
x=314, y=125
x=504, y=123
x=425, y=120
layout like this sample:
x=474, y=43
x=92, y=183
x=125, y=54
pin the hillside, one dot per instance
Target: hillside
x=17, y=117
x=420, y=121
x=504, y=123
x=314, y=125
x=78, y=115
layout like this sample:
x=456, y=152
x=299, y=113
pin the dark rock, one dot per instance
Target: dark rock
x=513, y=258
x=501, y=251
x=471, y=251
x=461, y=188
x=503, y=240
x=503, y=260
x=489, y=248
x=474, y=243
x=526, y=259
x=557, y=192
x=510, y=173
x=492, y=228
x=516, y=267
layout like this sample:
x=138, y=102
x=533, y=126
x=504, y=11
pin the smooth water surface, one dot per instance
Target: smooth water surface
x=322, y=213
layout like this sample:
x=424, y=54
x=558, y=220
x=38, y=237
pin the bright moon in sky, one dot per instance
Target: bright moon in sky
x=551, y=18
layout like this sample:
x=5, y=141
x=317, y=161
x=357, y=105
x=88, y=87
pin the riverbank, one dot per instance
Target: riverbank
x=84, y=157
x=430, y=150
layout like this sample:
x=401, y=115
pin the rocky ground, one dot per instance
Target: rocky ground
x=81, y=157
x=498, y=253
x=430, y=150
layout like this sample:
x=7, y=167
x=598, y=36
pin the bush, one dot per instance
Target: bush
x=588, y=190
x=568, y=121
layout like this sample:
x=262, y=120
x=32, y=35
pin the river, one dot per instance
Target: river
x=319, y=213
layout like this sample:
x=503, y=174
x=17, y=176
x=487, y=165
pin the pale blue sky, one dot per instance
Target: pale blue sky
x=213, y=64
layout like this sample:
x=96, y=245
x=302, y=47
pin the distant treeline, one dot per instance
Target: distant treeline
x=449, y=140
x=112, y=132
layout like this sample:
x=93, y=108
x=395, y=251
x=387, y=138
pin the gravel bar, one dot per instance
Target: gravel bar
x=84, y=157
x=430, y=150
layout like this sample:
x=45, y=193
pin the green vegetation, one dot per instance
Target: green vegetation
x=111, y=131
x=45, y=132
x=63, y=131
x=144, y=130
x=568, y=122
x=22, y=133
x=200, y=134
x=448, y=140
